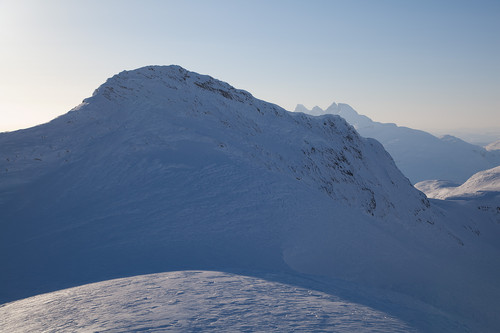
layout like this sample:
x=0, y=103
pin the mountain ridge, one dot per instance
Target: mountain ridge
x=420, y=155
x=125, y=86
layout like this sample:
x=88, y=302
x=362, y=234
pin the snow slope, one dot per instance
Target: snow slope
x=484, y=183
x=420, y=155
x=493, y=146
x=199, y=300
x=436, y=189
x=163, y=169
x=477, y=199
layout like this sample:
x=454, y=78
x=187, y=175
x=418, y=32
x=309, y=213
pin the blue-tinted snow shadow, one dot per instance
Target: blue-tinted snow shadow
x=422, y=317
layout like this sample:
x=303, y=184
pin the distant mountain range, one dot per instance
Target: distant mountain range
x=418, y=154
x=165, y=170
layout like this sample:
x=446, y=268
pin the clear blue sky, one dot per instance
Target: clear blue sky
x=422, y=64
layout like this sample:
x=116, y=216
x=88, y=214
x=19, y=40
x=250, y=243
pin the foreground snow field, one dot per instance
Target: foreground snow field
x=216, y=301
x=166, y=170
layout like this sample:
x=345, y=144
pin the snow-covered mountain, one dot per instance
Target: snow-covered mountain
x=419, y=155
x=493, y=146
x=482, y=184
x=163, y=169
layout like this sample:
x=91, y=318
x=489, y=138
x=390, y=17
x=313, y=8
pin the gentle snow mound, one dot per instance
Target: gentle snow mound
x=480, y=184
x=192, y=301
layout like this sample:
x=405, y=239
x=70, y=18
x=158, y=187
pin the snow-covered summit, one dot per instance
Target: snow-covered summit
x=159, y=103
x=163, y=169
x=161, y=143
x=132, y=84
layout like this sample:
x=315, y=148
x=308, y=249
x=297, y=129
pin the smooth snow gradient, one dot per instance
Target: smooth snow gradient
x=423, y=64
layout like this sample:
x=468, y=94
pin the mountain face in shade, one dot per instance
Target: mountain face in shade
x=163, y=169
x=418, y=154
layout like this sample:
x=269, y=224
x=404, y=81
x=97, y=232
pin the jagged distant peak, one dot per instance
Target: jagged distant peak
x=345, y=111
x=333, y=106
x=315, y=111
x=301, y=108
x=346, y=107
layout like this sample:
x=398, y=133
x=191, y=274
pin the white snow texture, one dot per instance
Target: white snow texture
x=194, y=301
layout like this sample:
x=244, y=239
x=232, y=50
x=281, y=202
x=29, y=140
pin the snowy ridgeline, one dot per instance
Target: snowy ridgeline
x=481, y=185
x=480, y=192
x=420, y=155
x=493, y=146
x=207, y=301
x=164, y=170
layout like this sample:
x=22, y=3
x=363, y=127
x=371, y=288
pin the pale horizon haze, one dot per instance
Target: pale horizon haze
x=429, y=65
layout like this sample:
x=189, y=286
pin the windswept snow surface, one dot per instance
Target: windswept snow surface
x=201, y=301
x=163, y=169
x=420, y=155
